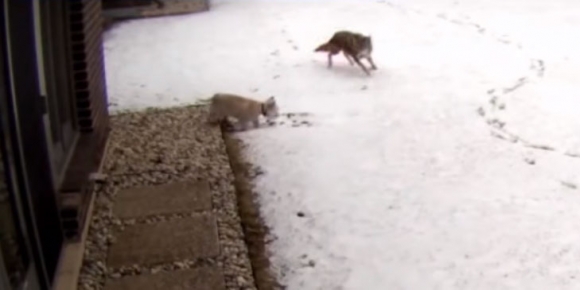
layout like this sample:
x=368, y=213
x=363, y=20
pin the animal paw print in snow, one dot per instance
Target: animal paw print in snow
x=294, y=120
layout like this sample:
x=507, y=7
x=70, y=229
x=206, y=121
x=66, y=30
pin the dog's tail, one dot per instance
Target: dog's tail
x=323, y=47
x=202, y=102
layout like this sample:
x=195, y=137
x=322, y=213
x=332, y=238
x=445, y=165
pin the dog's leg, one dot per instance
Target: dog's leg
x=370, y=59
x=225, y=125
x=213, y=118
x=256, y=123
x=348, y=58
x=243, y=125
x=238, y=127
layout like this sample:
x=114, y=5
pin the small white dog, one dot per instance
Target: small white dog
x=244, y=110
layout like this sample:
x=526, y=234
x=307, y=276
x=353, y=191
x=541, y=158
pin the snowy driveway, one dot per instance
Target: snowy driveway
x=454, y=166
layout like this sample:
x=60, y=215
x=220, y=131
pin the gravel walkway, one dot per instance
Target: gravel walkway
x=156, y=147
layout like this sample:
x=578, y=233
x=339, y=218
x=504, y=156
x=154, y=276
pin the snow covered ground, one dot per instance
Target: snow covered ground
x=452, y=167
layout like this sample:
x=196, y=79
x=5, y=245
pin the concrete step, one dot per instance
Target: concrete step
x=164, y=242
x=206, y=278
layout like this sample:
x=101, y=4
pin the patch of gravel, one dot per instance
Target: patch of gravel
x=160, y=146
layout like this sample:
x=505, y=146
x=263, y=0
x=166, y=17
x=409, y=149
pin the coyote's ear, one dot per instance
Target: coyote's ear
x=271, y=100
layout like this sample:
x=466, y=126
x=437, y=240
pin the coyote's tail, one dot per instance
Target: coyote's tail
x=323, y=47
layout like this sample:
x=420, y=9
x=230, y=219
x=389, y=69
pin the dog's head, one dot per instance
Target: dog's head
x=270, y=108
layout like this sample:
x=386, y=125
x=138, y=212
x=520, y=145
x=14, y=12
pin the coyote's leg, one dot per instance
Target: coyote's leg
x=329, y=60
x=370, y=59
x=348, y=58
x=361, y=65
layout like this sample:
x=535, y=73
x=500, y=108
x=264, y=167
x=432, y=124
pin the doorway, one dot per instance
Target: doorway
x=52, y=52
x=17, y=267
x=32, y=233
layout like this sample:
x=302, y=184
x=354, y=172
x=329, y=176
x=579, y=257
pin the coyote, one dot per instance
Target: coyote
x=353, y=45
